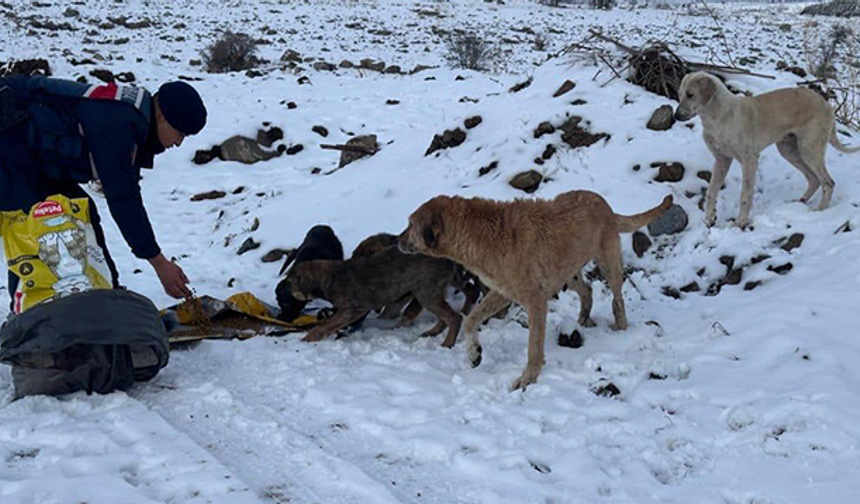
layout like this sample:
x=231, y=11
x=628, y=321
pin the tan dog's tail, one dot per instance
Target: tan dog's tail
x=834, y=141
x=630, y=223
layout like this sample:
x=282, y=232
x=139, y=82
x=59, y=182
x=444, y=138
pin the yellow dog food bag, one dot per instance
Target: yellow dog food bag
x=53, y=251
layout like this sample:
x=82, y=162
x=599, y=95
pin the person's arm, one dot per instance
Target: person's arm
x=111, y=138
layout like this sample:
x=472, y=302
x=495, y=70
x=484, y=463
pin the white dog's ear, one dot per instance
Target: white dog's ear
x=707, y=89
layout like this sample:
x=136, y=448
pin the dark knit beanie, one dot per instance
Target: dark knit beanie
x=182, y=107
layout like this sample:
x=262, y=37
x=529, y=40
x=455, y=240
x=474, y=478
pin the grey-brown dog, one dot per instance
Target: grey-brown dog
x=797, y=120
x=464, y=281
x=359, y=285
x=373, y=245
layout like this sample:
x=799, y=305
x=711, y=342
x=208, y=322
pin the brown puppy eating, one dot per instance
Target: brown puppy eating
x=362, y=284
x=525, y=251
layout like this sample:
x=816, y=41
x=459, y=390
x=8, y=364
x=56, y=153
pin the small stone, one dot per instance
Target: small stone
x=295, y=149
x=324, y=66
x=292, y=105
x=320, y=130
x=487, y=169
x=248, y=245
x=125, y=77
x=565, y=87
x=670, y=292
x=472, y=122
x=608, y=390
x=759, y=258
x=103, y=75
x=393, y=69
x=367, y=142
x=781, y=270
x=548, y=152
x=727, y=261
x=392, y=102
x=528, y=181
x=793, y=242
x=516, y=88
x=691, y=287
x=274, y=255
x=448, y=139
x=346, y=64
x=704, y=175
x=751, y=285
x=733, y=277
x=673, y=221
x=796, y=70
x=662, y=119
x=578, y=101
x=641, y=243
x=544, y=128
x=668, y=172
x=210, y=195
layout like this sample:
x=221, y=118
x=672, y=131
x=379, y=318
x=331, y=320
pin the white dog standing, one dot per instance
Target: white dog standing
x=797, y=120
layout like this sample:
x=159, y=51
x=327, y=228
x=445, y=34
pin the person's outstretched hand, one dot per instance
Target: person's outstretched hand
x=172, y=277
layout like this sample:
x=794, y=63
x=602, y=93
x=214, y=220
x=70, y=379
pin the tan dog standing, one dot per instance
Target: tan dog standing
x=525, y=251
x=797, y=120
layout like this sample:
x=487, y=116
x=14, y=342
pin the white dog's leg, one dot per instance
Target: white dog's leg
x=750, y=167
x=788, y=149
x=812, y=151
x=718, y=177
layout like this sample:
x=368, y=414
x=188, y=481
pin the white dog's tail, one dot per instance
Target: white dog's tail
x=834, y=141
x=630, y=223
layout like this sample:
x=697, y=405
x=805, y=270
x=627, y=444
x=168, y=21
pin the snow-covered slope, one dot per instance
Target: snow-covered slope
x=748, y=396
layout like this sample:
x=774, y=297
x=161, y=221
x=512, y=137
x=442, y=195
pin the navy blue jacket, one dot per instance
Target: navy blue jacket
x=114, y=140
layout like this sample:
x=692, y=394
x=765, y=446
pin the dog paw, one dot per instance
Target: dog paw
x=743, y=224
x=475, y=355
x=619, y=327
x=526, y=379
x=449, y=343
x=587, y=322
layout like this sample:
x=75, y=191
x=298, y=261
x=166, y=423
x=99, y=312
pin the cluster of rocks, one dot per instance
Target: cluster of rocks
x=292, y=59
x=453, y=137
x=734, y=273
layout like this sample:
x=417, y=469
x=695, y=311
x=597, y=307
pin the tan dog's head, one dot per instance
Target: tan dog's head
x=695, y=93
x=426, y=231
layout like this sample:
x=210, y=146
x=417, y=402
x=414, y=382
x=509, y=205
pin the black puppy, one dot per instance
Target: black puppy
x=319, y=243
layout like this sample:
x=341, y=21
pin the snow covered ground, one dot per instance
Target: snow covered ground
x=746, y=397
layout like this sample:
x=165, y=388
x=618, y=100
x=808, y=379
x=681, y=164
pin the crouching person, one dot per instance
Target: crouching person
x=72, y=327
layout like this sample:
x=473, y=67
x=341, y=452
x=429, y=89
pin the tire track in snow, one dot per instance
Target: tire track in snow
x=279, y=462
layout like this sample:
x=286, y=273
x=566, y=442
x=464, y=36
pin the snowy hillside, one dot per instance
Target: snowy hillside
x=748, y=395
